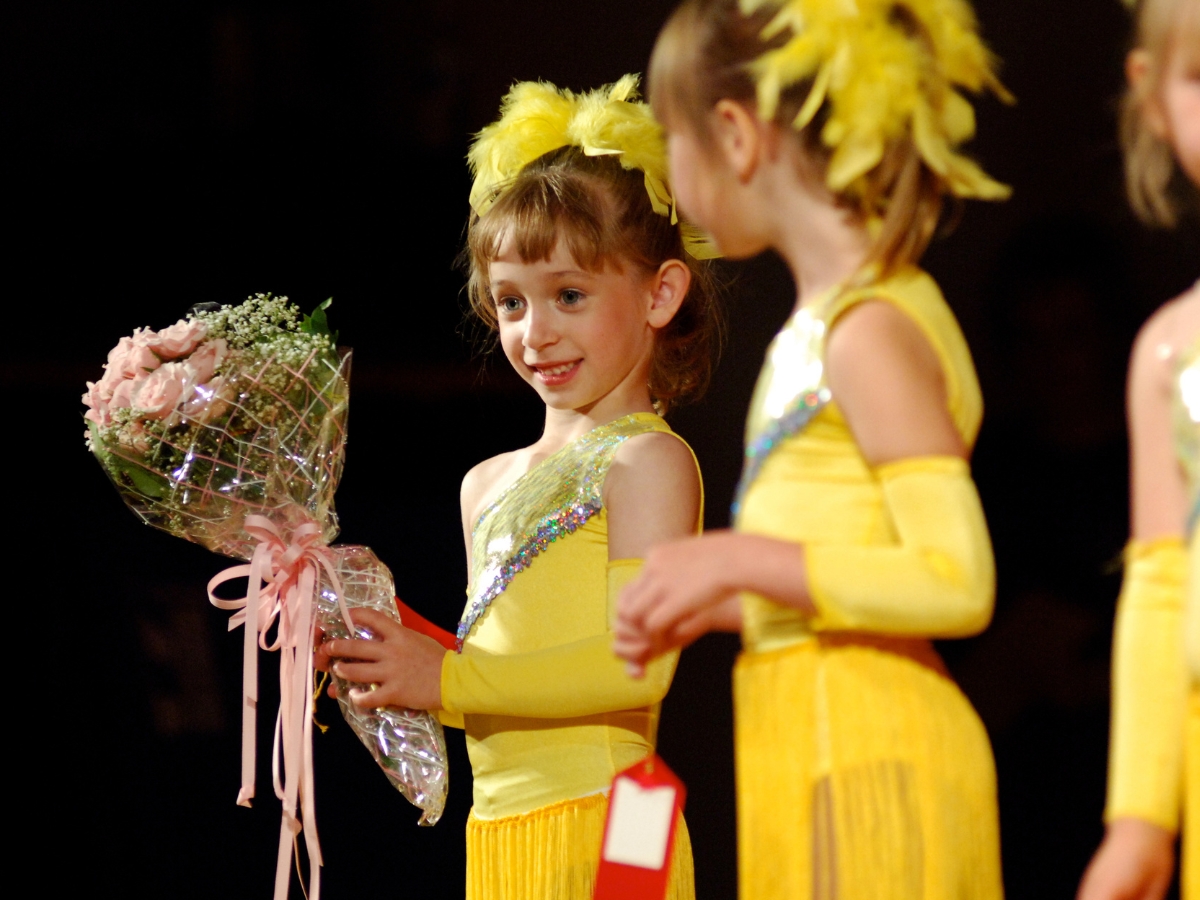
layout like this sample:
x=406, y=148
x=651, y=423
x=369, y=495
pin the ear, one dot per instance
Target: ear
x=668, y=286
x=738, y=138
x=1138, y=66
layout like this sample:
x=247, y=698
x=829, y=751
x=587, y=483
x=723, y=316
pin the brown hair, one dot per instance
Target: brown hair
x=603, y=214
x=703, y=54
x=1149, y=161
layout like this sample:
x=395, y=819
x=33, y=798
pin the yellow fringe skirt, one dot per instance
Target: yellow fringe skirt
x=553, y=853
x=1190, y=876
x=863, y=774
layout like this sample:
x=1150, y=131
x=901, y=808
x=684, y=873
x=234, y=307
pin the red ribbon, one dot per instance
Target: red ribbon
x=283, y=582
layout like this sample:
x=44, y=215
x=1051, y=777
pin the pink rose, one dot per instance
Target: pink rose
x=206, y=403
x=109, y=382
x=159, y=392
x=133, y=357
x=206, y=359
x=97, y=405
x=122, y=395
x=178, y=340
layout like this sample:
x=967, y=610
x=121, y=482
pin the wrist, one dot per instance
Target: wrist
x=1142, y=831
x=772, y=568
x=746, y=562
x=445, y=686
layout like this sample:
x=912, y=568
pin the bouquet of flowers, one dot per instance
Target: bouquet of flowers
x=228, y=429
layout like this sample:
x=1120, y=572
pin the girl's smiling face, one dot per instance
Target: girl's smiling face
x=581, y=339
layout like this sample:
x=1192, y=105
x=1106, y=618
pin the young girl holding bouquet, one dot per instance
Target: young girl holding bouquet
x=1155, y=742
x=827, y=131
x=578, y=261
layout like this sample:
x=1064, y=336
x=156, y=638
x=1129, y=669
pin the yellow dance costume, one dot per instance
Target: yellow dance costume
x=549, y=712
x=863, y=772
x=1154, y=752
x=1186, y=399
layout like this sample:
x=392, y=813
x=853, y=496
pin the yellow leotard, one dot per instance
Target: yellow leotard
x=863, y=772
x=549, y=712
x=1187, y=442
x=1154, y=753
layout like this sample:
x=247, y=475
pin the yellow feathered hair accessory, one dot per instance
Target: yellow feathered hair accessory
x=536, y=117
x=881, y=84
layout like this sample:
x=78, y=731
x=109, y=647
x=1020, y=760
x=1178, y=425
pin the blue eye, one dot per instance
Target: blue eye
x=510, y=304
x=571, y=297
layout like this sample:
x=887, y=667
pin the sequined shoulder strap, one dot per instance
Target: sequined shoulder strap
x=1185, y=410
x=549, y=501
x=791, y=391
x=792, y=388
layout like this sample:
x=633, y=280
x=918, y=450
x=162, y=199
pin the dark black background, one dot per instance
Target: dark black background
x=162, y=154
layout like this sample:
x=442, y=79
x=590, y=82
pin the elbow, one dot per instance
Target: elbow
x=976, y=615
x=657, y=679
x=970, y=599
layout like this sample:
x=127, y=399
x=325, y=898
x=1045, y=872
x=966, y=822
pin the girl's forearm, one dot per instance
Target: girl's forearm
x=768, y=566
x=726, y=615
x=582, y=678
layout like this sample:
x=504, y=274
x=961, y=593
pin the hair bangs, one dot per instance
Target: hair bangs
x=601, y=213
x=532, y=217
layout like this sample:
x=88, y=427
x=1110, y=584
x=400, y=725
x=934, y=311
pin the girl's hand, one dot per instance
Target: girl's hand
x=683, y=592
x=1134, y=862
x=405, y=667
x=321, y=658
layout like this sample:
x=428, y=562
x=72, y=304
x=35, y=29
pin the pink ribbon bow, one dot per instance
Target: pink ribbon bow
x=283, y=581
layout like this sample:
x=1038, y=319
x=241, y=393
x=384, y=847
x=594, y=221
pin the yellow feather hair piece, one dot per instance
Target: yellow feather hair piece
x=537, y=117
x=881, y=84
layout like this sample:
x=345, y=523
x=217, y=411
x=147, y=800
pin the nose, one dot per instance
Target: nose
x=539, y=328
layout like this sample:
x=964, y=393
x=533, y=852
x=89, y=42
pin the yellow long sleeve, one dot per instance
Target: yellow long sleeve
x=1145, y=766
x=575, y=679
x=1191, y=616
x=938, y=581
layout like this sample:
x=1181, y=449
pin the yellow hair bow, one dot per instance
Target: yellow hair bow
x=536, y=118
x=880, y=84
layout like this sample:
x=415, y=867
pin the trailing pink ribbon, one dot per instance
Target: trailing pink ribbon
x=283, y=578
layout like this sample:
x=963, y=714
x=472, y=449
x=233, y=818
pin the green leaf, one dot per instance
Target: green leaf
x=143, y=481
x=318, y=322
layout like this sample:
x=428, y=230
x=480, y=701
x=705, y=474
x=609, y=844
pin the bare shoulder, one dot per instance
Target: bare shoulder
x=888, y=381
x=485, y=480
x=656, y=454
x=652, y=493
x=1159, y=496
x=874, y=333
x=1163, y=336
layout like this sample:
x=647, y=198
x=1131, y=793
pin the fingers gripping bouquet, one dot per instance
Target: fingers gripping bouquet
x=229, y=429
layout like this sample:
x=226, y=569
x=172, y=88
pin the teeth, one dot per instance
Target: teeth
x=558, y=370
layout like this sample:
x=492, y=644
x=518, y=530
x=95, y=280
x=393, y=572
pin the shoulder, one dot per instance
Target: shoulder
x=480, y=482
x=888, y=381
x=651, y=465
x=875, y=336
x=1160, y=341
x=652, y=493
x=656, y=452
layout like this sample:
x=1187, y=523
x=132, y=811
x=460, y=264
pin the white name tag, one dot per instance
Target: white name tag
x=639, y=824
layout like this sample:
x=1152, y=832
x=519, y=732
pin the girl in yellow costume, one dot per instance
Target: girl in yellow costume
x=826, y=130
x=602, y=305
x=1154, y=753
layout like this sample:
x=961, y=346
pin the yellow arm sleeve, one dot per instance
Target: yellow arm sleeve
x=447, y=718
x=577, y=679
x=1191, y=616
x=937, y=581
x=1149, y=692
